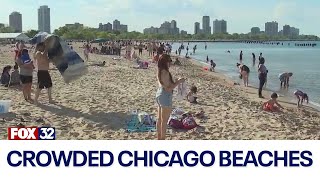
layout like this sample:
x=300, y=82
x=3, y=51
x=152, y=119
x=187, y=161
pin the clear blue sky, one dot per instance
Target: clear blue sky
x=241, y=15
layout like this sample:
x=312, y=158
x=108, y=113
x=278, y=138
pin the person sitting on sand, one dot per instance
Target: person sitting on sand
x=212, y=65
x=272, y=104
x=15, y=79
x=164, y=94
x=244, y=73
x=191, y=96
x=301, y=96
x=177, y=62
x=284, y=79
x=5, y=76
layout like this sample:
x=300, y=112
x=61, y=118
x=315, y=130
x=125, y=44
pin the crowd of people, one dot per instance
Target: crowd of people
x=22, y=73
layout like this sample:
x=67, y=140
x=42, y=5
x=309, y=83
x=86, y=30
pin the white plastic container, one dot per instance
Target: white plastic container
x=4, y=106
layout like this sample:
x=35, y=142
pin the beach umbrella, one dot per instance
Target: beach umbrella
x=39, y=38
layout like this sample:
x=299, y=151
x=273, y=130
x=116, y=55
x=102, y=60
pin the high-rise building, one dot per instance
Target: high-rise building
x=184, y=32
x=123, y=28
x=165, y=28
x=116, y=25
x=206, y=24
x=74, y=26
x=196, y=28
x=44, y=19
x=286, y=30
x=100, y=27
x=15, y=21
x=271, y=28
x=107, y=27
x=219, y=26
x=173, y=24
x=294, y=32
x=255, y=30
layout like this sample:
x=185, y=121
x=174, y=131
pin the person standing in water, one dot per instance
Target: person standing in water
x=44, y=78
x=164, y=94
x=205, y=46
x=253, y=59
x=262, y=70
x=284, y=79
x=207, y=59
x=241, y=54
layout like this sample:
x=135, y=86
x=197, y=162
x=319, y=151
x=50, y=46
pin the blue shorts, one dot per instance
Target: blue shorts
x=164, y=98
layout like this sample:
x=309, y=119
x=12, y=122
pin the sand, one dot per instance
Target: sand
x=97, y=105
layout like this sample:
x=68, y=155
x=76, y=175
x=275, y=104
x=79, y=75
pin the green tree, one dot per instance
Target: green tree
x=31, y=33
x=6, y=30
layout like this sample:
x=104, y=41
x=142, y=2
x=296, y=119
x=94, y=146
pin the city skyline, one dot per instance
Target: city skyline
x=139, y=14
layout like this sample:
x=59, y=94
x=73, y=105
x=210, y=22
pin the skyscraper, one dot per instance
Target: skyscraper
x=116, y=25
x=15, y=21
x=286, y=30
x=196, y=28
x=44, y=19
x=206, y=25
x=219, y=26
x=173, y=24
x=271, y=28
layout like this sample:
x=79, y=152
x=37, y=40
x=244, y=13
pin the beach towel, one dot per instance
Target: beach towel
x=182, y=91
x=134, y=125
x=70, y=65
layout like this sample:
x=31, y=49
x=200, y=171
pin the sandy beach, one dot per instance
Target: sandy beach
x=97, y=105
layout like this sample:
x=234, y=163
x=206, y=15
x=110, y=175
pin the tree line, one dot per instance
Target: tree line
x=92, y=33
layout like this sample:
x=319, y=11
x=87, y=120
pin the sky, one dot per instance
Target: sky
x=240, y=15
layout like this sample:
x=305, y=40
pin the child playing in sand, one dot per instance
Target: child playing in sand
x=192, y=95
x=5, y=76
x=270, y=105
x=301, y=96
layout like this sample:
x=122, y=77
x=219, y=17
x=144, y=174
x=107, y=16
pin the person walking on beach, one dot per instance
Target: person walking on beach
x=241, y=54
x=140, y=47
x=164, y=94
x=262, y=74
x=44, y=78
x=86, y=52
x=253, y=59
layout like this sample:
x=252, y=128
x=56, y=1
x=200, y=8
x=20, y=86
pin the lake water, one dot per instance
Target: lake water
x=304, y=62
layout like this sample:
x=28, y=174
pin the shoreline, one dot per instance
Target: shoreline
x=288, y=99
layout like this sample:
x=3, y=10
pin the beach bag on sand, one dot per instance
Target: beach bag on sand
x=189, y=123
x=175, y=123
x=70, y=65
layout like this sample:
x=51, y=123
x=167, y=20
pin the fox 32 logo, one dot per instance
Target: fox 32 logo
x=31, y=133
